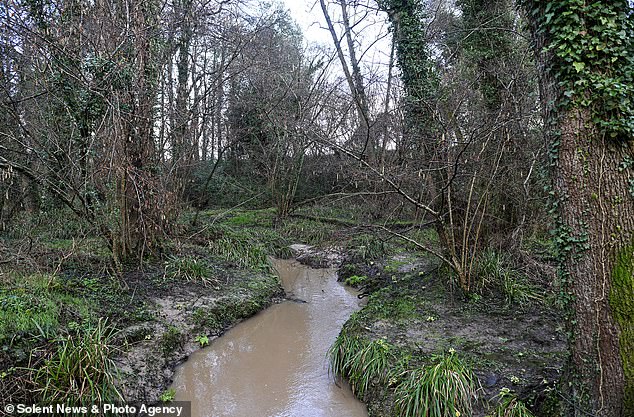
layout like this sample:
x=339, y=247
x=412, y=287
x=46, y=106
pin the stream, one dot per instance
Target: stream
x=274, y=364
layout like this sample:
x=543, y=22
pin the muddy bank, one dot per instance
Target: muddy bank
x=418, y=317
x=184, y=319
x=318, y=257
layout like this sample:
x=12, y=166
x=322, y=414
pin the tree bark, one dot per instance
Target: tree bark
x=594, y=205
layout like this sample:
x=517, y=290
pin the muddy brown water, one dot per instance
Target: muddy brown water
x=275, y=364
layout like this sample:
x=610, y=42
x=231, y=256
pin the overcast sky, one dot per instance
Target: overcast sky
x=311, y=20
x=308, y=15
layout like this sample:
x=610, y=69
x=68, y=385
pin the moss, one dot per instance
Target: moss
x=622, y=303
x=171, y=340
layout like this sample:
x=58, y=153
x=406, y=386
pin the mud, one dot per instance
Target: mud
x=157, y=346
x=522, y=348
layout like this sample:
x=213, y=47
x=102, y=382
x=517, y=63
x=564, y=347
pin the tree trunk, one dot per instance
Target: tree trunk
x=594, y=205
x=597, y=215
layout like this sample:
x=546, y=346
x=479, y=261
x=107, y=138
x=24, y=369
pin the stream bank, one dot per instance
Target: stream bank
x=514, y=350
x=218, y=274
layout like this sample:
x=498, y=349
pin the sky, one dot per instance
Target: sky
x=373, y=54
x=310, y=19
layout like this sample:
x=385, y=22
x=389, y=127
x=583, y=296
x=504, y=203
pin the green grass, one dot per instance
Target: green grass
x=81, y=369
x=37, y=305
x=367, y=247
x=50, y=225
x=394, y=305
x=509, y=406
x=362, y=362
x=241, y=247
x=190, y=269
x=446, y=388
x=307, y=231
x=493, y=271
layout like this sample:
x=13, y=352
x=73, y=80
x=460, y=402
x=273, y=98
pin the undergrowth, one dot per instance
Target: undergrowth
x=495, y=272
x=509, y=406
x=190, y=269
x=446, y=388
x=242, y=248
x=35, y=306
x=81, y=369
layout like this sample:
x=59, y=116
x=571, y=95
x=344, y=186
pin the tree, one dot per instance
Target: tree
x=585, y=53
x=273, y=108
x=84, y=114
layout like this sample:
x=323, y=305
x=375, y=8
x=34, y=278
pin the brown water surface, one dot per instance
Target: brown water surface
x=274, y=364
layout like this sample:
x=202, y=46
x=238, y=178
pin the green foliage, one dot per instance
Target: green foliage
x=367, y=247
x=447, y=388
x=50, y=225
x=312, y=232
x=168, y=396
x=593, y=47
x=392, y=304
x=510, y=406
x=36, y=305
x=188, y=268
x=494, y=271
x=362, y=362
x=417, y=69
x=356, y=280
x=487, y=50
x=242, y=248
x=81, y=370
x=202, y=340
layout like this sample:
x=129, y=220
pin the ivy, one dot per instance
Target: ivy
x=592, y=44
x=418, y=73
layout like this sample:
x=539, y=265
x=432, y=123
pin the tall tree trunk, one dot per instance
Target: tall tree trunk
x=597, y=214
x=594, y=204
x=361, y=138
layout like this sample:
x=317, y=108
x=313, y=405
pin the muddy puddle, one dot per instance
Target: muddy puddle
x=274, y=364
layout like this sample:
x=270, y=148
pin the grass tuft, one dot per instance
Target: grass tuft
x=241, y=247
x=81, y=370
x=494, y=271
x=447, y=388
x=361, y=362
x=510, y=406
x=189, y=269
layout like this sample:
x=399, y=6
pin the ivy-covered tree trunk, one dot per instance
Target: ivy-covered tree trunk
x=586, y=57
x=596, y=224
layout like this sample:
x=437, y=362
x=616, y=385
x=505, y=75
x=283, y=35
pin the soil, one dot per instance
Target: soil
x=158, y=346
x=520, y=347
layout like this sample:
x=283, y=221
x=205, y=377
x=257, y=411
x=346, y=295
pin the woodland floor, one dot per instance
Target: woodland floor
x=509, y=332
